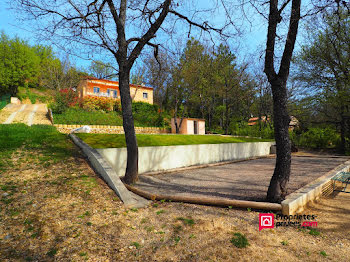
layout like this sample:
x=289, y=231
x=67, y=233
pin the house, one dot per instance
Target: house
x=91, y=86
x=294, y=122
x=254, y=120
x=189, y=126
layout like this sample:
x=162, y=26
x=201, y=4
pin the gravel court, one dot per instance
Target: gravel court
x=244, y=180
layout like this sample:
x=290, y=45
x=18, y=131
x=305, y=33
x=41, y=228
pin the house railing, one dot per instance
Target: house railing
x=101, y=94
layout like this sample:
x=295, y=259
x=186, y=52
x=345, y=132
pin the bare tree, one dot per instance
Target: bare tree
x=108, y=24
x=278, y=80
x=101, y=70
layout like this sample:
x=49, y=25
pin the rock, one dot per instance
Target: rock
x=5, y=194
x=7, y=237
x=83, y=129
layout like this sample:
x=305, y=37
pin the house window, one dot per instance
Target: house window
x=112, y=92
x=96, y=90
x=145, y=95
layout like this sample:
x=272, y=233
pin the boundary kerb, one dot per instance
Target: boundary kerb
x=109, y=175
x=298, y=200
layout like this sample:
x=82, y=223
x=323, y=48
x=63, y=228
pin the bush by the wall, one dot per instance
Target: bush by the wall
x=242, y=129
x=4, y=100
x=316, y=138
x=78, y=116
x=147, y=113
x=91, y=103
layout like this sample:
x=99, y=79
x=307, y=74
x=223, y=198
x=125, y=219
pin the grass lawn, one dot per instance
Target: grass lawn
x=77, y=116
x=116, y=141
x=42, y=139
x=53, y=207
x=40, y=95
x=81, y=117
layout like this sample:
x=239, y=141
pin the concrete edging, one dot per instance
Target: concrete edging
x=109, y=175
x=298, y=200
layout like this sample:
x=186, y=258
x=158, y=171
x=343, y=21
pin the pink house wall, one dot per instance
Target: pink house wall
x=187, y=126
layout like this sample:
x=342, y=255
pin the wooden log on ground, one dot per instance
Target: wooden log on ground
x=207, y=200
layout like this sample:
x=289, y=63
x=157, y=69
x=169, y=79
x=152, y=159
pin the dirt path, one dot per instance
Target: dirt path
x=245, y=180
x=27, y=114
x=333, y=215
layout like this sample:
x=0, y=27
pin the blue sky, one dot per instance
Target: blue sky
x=12, y=27
x=248, y=47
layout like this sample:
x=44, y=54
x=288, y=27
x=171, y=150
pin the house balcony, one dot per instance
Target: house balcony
x=102, y=94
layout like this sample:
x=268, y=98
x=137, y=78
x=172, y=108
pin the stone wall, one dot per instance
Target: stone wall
x=104, y=129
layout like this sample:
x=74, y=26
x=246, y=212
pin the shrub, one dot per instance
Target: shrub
x=68, y=96
x=147, y=113
x=26, y=92
x=91, y=103
x=242, y=129
x=64, y=98
x=78, y=116
x=316, y=138
x=239, y=240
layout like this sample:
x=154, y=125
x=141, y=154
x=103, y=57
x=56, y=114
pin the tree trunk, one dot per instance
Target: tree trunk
x=131, y=173
x=342, y=134
x=278, y=184
x=226, y=113
x=177, y=128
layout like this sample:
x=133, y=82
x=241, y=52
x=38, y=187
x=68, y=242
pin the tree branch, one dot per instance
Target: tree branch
x=291, y=37
x=271, y=39
x=149, y=34
x=205, y=26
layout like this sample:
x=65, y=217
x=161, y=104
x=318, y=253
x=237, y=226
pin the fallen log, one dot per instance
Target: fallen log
x=207, y=200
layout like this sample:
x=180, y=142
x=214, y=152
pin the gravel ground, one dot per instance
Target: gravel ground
x=22, y=117
x=40, y=116
x=7, y=111
x=245, y=180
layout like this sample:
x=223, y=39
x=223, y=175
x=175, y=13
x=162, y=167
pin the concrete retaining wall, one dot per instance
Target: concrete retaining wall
x=169, y=157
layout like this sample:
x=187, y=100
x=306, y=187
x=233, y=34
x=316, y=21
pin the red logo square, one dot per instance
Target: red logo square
x=266, y=220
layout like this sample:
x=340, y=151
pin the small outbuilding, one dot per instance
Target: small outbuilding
x=189, y=126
